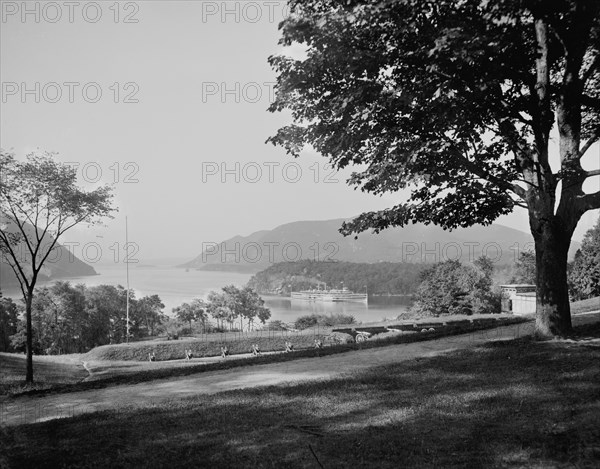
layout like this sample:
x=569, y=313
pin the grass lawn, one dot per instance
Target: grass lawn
x=49, y=371
x=506, y=404
x=584, y=306
x=112, y=373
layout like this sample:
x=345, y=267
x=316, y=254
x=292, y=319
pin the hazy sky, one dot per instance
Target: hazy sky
x=184, y=92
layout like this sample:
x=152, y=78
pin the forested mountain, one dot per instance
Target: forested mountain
x=320, y=240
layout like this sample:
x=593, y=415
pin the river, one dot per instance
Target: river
x=175, y=286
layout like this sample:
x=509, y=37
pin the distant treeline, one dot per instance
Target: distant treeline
x=70, y=318
x=383, y=278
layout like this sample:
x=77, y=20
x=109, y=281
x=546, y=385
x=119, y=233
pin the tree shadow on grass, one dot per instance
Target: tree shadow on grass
x=505, y=404
x=47, y=374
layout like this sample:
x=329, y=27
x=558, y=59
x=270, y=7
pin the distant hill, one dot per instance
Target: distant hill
x=59, y=265
x=320, y=240
x=381, y=278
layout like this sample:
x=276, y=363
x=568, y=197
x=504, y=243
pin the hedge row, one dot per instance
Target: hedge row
x=175, y=349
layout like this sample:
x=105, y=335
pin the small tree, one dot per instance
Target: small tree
x=584, y=278
x=60, y=319
x=482, y=295
x=234, y=303
x=217, y=308
x=442, y=291
x=199, y=307
x=107, y=305
x=185, y=313
x=9, y=318
x=525, y=271
x=452, y=288
x=150, y=310
x=253, y=306
x=39, y=202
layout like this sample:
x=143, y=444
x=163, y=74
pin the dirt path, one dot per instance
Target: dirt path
x=30, y=409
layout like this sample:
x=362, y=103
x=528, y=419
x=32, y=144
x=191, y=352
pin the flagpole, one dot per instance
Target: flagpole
x=127, y=267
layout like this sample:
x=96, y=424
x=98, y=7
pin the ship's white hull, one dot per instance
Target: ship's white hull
x=328, y=296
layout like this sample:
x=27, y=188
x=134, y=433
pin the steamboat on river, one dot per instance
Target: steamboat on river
x=332, y=295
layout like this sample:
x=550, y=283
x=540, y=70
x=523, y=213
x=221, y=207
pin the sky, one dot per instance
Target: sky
x=167, y=101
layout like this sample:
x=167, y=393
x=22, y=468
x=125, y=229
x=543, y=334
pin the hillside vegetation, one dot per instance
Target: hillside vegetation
x=382, y=278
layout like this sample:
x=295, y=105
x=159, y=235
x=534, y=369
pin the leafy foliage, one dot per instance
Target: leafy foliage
x=39, y=202
x=382, y=278
x=452, y=102
x=585, y=271
x=323, y=320
x=196, y=311
x=148, y=315
x=525, y=271
x=452, y=288
x=237, y=304
x=9, y=312
x=276, y=325
x=75, y=318
x=403, y=86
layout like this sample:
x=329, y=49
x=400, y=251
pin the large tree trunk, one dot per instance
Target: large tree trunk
x=553, y=314
x=29, y=341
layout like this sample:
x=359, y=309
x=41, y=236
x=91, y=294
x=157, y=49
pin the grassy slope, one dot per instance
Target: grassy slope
x=122, y=374
x=591, y=304
x=48, y=371
x=57, y=371
x=506, y=404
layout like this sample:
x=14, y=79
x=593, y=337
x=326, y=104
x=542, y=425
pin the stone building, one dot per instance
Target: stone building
x=518, y=299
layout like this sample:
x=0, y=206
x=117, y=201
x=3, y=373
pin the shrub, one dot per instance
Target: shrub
x=304, y=322
x=334, y=319
x=184, y=332
x=276, y=325
x=339, y=338
x=450, y=288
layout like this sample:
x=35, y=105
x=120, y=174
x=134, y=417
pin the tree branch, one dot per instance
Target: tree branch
x=526, y=162
x=595, y=172
x=543, y=79
x=48, y=252
x=7, y=244
x=18, y=208
x=21, y=286
x=591, y=201
x=20, y=225
x=501, y=183
x=480, y=172
x=593, y=139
